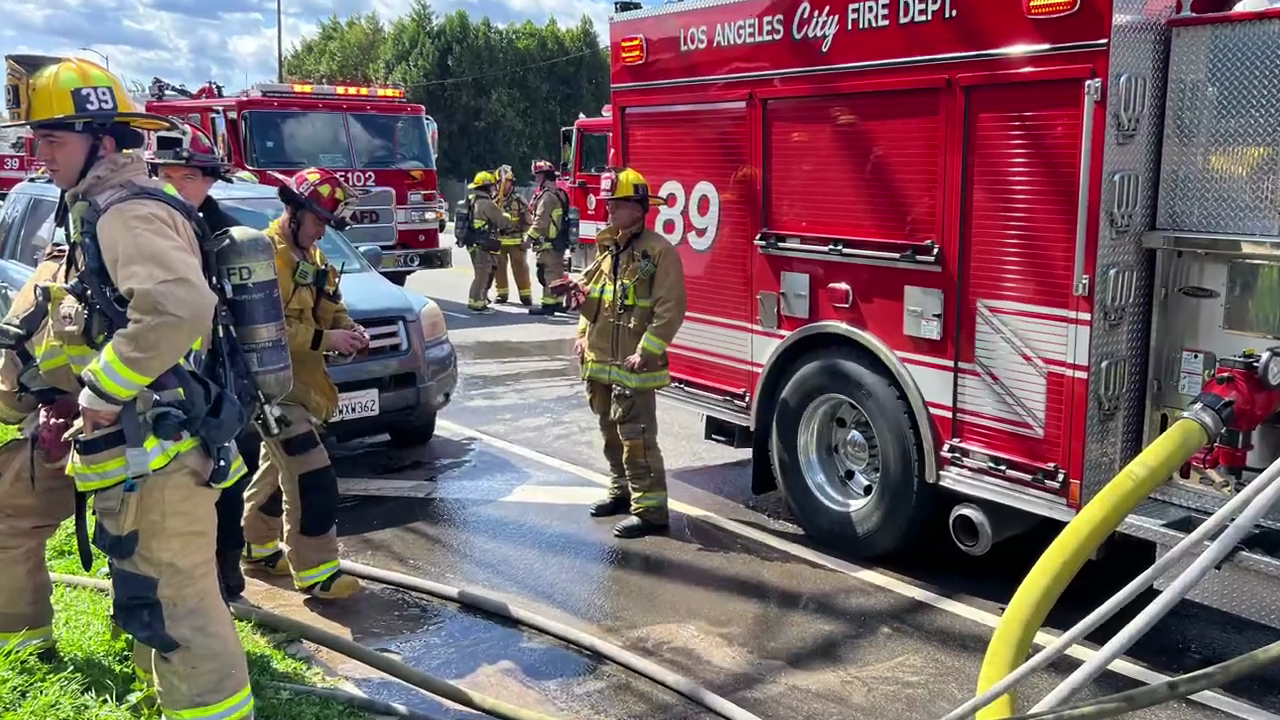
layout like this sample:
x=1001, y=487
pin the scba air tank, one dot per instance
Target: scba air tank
x=247, y=261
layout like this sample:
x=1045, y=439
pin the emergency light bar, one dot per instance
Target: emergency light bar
x=389, y=92
x=1049, y=8
x=632, y=50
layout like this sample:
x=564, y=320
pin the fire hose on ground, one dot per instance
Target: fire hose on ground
x=1236, y=399
x=443, y=688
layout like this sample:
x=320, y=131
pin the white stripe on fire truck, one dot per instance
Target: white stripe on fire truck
x=590, y=228
x=16, y=174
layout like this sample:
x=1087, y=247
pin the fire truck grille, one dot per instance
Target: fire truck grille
x=374, y=220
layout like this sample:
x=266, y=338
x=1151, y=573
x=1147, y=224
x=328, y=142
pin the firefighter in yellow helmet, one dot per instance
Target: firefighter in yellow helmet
x=514, y=246
x=478, y=224
x=634, y=305
x=119, y=349
x=549, y=235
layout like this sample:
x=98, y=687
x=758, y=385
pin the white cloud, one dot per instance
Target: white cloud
x=230, y=41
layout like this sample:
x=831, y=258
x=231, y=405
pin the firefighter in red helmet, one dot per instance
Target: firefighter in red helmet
x=548, y=235
x=634, y=304
x=187, y=159
x=294, y=494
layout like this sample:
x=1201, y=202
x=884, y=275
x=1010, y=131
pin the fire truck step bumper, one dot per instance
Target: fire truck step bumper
x=413, y=260
x=1244, y=585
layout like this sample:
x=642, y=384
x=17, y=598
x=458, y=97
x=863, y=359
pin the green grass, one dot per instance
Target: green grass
x=92, y=677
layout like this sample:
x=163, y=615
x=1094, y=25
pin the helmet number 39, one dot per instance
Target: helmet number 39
x=702, y=208
x=94, y=99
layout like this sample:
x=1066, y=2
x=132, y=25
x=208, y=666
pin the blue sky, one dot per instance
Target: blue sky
x=189, y=41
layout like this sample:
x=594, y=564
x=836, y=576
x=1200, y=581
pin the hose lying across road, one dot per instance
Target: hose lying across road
x=442, y=688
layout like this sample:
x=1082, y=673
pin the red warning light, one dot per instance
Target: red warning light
x=1049, y=8
x=632, y=50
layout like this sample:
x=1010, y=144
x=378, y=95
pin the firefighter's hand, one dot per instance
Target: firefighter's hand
x=635, y=363
x=343, y=342
x=580, y=347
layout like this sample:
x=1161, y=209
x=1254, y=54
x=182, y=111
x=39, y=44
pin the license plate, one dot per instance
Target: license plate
x=358, y=404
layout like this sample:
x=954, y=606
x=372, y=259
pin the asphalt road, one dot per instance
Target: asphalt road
x=734, y=597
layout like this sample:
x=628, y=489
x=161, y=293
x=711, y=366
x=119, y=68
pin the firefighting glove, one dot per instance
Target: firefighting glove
x=571, y=292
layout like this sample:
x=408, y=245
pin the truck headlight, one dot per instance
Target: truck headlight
x=416, y=198
x=432, y=320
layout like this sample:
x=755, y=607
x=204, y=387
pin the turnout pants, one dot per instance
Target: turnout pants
x=629, y=426
x=550, y=269
x=294, y=495
x=32, y=506
x=515, y=256
x=482, y=261
x=159, y=537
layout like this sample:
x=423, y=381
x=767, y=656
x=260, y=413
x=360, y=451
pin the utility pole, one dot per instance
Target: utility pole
x=279, y=42
x=105, y=59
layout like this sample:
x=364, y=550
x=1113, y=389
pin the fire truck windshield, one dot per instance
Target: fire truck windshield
x=299, y=139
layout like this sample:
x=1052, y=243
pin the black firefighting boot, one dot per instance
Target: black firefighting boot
x=500, y=299
x=548, y=310
x=230, y=577
x=610, y=506
x=526, y=301
x=636, y=527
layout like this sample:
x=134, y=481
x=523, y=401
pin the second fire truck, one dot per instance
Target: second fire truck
x=371, y=136
x=969, y=257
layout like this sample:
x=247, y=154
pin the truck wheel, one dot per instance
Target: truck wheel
x=845, y=454
x=419, y=433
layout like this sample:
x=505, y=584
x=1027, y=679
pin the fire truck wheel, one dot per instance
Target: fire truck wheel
x=846, y=457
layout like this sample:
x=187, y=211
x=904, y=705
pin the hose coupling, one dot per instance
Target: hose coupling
x=1206, y=417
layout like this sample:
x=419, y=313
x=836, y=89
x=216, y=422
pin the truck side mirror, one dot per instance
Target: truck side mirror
x=371, y=253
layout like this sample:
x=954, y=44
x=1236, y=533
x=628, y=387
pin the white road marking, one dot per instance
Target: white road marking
x=451, y=313
x=1126, y=668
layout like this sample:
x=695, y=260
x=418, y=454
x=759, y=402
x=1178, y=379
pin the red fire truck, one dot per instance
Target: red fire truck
x=373, y=137
x=961, y=255
x=16, y=162
x=586, y=153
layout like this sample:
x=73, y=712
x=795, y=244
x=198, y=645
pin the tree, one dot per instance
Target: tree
x=500, y=93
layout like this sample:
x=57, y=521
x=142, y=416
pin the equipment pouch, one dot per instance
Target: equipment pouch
x=99, y=461
x=68, y=321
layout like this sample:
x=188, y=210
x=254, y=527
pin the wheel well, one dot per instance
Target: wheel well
x=780, y=368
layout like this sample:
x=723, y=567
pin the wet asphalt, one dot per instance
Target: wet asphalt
x=780, y=635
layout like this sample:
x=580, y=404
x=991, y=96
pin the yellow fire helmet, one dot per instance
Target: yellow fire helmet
x=484, y=178
x=43, y=91
x=627, y=184
x=504, y=173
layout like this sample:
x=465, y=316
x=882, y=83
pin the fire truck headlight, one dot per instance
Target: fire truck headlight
x=416, y=198
x=432, y=320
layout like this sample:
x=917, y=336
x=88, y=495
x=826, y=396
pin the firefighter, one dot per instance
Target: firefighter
x=547, y=236
x=634, y=304
x=189, y=162
x=115, y=336
x=485, y=221
x=294, y=493
x=514, y=245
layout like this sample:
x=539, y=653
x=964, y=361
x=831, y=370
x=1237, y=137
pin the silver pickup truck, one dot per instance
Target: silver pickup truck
x=396, y=387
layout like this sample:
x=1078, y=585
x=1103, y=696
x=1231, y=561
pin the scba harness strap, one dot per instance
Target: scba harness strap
x=208, y=404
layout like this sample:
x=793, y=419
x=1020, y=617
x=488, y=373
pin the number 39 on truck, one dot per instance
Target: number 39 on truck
x=372, y=137
x=958, y=260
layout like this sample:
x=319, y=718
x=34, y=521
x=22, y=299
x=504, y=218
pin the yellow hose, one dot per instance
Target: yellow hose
x=1058, y=566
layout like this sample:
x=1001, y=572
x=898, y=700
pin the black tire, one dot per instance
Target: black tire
x=417, y=434
x=898, y=507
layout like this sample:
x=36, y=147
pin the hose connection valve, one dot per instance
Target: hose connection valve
x=1242, y=393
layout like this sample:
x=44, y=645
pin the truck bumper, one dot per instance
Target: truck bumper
x=407, y=261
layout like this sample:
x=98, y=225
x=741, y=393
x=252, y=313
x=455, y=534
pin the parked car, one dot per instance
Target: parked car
x=396, y=387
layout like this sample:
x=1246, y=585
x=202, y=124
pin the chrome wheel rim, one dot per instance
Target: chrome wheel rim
x=839, y=452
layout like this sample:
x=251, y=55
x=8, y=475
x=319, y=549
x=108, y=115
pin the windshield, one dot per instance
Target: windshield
x=390, y=141
x=257, y=213
x=298, y=139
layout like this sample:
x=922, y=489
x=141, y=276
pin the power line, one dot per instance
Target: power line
x=504, y=71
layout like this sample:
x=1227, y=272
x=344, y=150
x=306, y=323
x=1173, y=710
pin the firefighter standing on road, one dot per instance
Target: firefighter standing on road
x=139, y=261
x=549, y=207
x=294, y=494
x=188, y=161
x=514, y=246
x=483, y=222
x=635, y=303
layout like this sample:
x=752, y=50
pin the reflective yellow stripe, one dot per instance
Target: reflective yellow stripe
x=238, y=470
x=257, y=552
x=52, y=354
x=113, y=377
x=37, y=637
x=315, y=575
x=618, y=375
x=112, y=472
x=511, y=239
x=583, y=324
x=653, y=344
x=604, y=292
x=649, y=500
x=235, y=707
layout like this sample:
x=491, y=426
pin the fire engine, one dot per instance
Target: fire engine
x=16, y=162
x=587, y=152
x=944, y=255
x=371, y=136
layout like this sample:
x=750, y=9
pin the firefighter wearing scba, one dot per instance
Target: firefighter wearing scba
x=189, y=162
x=547, y=236
x=514, y=246
x=634, y=304
x=482, y=222
x=294, y=494
x=115, y=336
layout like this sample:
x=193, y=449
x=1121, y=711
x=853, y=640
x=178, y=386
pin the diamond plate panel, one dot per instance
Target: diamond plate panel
x=1135, y=84
x=1233, y=589
x=1221, y=164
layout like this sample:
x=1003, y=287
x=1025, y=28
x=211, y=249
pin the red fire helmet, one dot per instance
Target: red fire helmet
x=322, y=192
x=188, y=146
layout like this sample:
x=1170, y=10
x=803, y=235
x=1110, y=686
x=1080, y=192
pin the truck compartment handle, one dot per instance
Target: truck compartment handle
x=925, y=252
